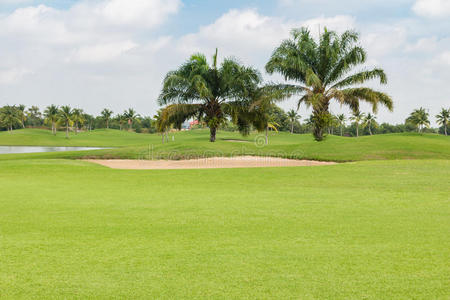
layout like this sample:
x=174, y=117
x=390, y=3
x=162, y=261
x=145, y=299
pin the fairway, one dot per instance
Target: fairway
x=374, y=230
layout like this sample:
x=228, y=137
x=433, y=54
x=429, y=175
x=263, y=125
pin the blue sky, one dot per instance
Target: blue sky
x=115, y=53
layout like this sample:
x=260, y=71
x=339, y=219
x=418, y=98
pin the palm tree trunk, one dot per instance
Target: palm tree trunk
x=445, y=128
x=357, y=130
x=341, y=130
x=67, y=130
x=292, y=127
x=370, y=130
x=107, y=124
x=267, y=135
x=212, y=134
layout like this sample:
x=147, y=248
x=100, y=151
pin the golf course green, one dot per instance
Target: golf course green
x=374, y=227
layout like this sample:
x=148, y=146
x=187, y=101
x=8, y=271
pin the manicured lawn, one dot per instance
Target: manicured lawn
x=365, y=230
x=196, y=144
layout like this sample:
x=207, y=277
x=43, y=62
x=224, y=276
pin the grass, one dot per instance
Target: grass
x=196, y=144
x=365, y=230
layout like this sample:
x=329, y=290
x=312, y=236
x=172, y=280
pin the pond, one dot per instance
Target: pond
x=38, y=149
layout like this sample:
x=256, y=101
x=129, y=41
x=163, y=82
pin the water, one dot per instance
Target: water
x=39, y=149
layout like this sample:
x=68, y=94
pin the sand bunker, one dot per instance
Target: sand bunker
x=207, y=163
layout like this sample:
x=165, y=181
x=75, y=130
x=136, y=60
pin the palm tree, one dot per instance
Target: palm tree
x=121, y=120
x=419, y=117
x=21, y=111
x=106, y=115
x=51, y=116
x=10, y=116
x=77, y=118
x=322, y=69
x=443, y=118
x=357, y=117
x=369, y=121
x=293, y=117
x=341, y=120
x=130, y=116
x=206, y=91
x=65, y=117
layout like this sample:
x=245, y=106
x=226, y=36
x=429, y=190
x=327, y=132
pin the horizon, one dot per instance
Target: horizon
x=115, y=53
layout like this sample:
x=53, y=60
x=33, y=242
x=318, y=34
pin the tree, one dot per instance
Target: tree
x=203, y=90
x=121, y=120
x=419, y=117
x=10, y=116
x=341, y=120
x=51, y=116
x=65, y=117
x=77, y=118
x=443, y=118
x=130, y=116
x=34, y=116
x=322, y=69
x=106, y=116
x=369, y=121
x=293, y=117
x=357, y=117
x=21, y=111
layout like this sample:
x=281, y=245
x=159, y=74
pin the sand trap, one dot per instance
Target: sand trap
x=207, y=163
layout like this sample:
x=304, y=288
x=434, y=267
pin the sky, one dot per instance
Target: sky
x=96, y=54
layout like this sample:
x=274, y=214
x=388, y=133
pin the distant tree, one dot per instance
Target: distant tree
x=357, y=117
x=51, y=116
x=293, y=117
x=321, y=71
x=106, y=115
x=369, y=122
x=34, y=116
x=130, y=116
x=21, y=111
x=10, y=116
x=77, y=118
x=443, y=118
x=341, y=120
x=65, y=117
x=88, y=121
x=419, y=117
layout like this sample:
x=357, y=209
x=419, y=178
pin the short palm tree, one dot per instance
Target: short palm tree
x=130, y=116
x=65, y=118
x=443, y=118
x=357, y=117
x=293, y=117
x=419, y=117
x=106, y=116
x=341, y=120
x=370, y=121
x=207, y=91
x=322, y=72
x=23, y=116
x=51, y=116
x=77, y=118
x=120, y=118
x=10, y=116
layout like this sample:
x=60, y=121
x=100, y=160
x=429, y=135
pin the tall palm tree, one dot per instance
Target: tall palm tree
x=21, y=111
x=341, y=120
x=443, y=118
x=357, y=117
x=77, y=118
x=10, y=116
x=106, y=115
x=322, y=70
x=369, y=121
x=65, y=117
x=51, y=116
x=205, y=90
x=419, y=117
x=130, y=116
x=293, y=117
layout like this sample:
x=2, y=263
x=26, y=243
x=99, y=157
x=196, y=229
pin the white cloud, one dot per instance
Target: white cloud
x=432, y=8
x=101, y=52
x=12, y=76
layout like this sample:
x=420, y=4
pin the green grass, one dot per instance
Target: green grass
x=365, y=230
x=195, y=144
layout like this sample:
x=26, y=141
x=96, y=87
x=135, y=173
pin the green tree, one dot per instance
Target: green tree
x=357, y=117
x=419, y=117
x=293, y=117
x=370, y=121
x=77, y=118
x=21, y=111
x=341, y=120
x=203, y=90
x=106, y=116
x=130, y=116
x=51, y=116
x=10, y=116
x=322, y=70
x=65, y=118
x=442, y=118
